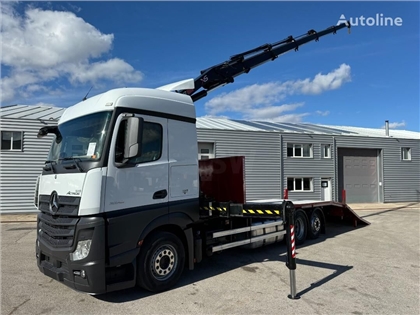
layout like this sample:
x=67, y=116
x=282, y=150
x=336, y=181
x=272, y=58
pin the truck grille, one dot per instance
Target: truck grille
x=58, y=228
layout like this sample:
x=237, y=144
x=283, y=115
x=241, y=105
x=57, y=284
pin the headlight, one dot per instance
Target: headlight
x=82, y=250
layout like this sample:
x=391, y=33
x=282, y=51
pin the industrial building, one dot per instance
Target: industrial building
x=310, y=162
x=22, y=153
x=315, y=162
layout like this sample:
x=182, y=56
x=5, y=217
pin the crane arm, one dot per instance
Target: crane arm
x=224, y=73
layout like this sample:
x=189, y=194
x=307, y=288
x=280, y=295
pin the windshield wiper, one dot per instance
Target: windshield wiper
x=76, y=163
x=49, y=168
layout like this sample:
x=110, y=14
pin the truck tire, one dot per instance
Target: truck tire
x=301, y=227
x=315, y=223
x=161, y=262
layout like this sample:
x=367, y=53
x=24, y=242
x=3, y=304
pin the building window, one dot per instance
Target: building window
x=205, y=151
x=299, y=184
x=299, y=150
x=326, y=151
x=11, y=140
x=406, y=154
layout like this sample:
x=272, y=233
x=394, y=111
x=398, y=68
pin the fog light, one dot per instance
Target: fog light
x=80, y=273
x=82, y=250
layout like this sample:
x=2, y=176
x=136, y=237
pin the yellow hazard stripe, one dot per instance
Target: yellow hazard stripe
x=213, y=208
x=245, y=211
x=257, y=211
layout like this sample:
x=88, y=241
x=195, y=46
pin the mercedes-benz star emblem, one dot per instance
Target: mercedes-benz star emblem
x=54, y=205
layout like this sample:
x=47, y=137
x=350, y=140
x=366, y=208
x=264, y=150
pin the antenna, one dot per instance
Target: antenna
x=85, y=98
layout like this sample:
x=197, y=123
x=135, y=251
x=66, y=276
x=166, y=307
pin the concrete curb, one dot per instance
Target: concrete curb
x=17, y=218
x=384, y=206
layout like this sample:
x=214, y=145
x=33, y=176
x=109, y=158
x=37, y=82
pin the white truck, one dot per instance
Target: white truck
x=123, y=199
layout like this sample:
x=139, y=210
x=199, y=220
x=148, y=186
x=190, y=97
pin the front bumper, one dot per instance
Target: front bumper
x=86, y=275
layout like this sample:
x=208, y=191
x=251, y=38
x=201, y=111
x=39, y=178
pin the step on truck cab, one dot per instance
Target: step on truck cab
x=120, y=199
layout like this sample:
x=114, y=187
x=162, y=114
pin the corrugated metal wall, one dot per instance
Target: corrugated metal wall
x=262, y=162
x=267, y=172
x=315, y=167
x=20, y=169
x=401, y=179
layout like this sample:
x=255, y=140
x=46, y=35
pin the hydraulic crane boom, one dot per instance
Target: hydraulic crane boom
x=238, y=64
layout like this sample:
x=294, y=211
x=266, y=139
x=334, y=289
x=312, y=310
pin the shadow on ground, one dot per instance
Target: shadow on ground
x=235, y=258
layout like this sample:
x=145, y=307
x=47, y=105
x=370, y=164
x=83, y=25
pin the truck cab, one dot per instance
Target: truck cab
x=122, y=164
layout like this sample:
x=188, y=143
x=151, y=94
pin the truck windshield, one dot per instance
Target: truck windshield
x=81, y=138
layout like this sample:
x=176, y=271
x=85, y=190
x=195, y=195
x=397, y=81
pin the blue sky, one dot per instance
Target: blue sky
x=54, y=52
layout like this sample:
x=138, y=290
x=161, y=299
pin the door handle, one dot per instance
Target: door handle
x=160, y=194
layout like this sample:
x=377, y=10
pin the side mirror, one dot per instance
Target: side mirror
x=133, y=137
x=42, y=132
x=46, y=130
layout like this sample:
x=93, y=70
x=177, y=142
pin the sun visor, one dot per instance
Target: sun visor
x=180, y=85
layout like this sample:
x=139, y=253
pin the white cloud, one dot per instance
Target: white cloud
x=323, y=82
x=269, y=112
x=394, y=125
x=323, y=113
x=35, y=88
x=253, y=95
x=258, y=101
x=113, y=69
x=44, y=45
x=61, y=36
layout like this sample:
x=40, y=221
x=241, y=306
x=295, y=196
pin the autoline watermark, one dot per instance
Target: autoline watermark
x=378, y=20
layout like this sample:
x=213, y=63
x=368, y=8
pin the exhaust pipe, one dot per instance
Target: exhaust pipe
x=387, y=128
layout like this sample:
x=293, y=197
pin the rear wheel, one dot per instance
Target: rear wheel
x=161, y=262
x=315, y=224
x=301, y=227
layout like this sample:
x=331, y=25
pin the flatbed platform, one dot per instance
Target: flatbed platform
x=272, y=208
x=332, y=208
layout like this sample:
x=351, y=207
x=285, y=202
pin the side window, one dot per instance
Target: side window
x=119, y=145
x=151, y=143
x=406, y=154
x=326, y=151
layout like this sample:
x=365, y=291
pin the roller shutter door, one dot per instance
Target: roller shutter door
x=358, y=175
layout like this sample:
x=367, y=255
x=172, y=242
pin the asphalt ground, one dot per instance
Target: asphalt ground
x=372, y=269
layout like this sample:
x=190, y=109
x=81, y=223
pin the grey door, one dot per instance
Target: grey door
x=358, y=175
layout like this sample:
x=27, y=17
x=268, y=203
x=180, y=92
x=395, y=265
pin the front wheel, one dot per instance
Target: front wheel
x=161, y=262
